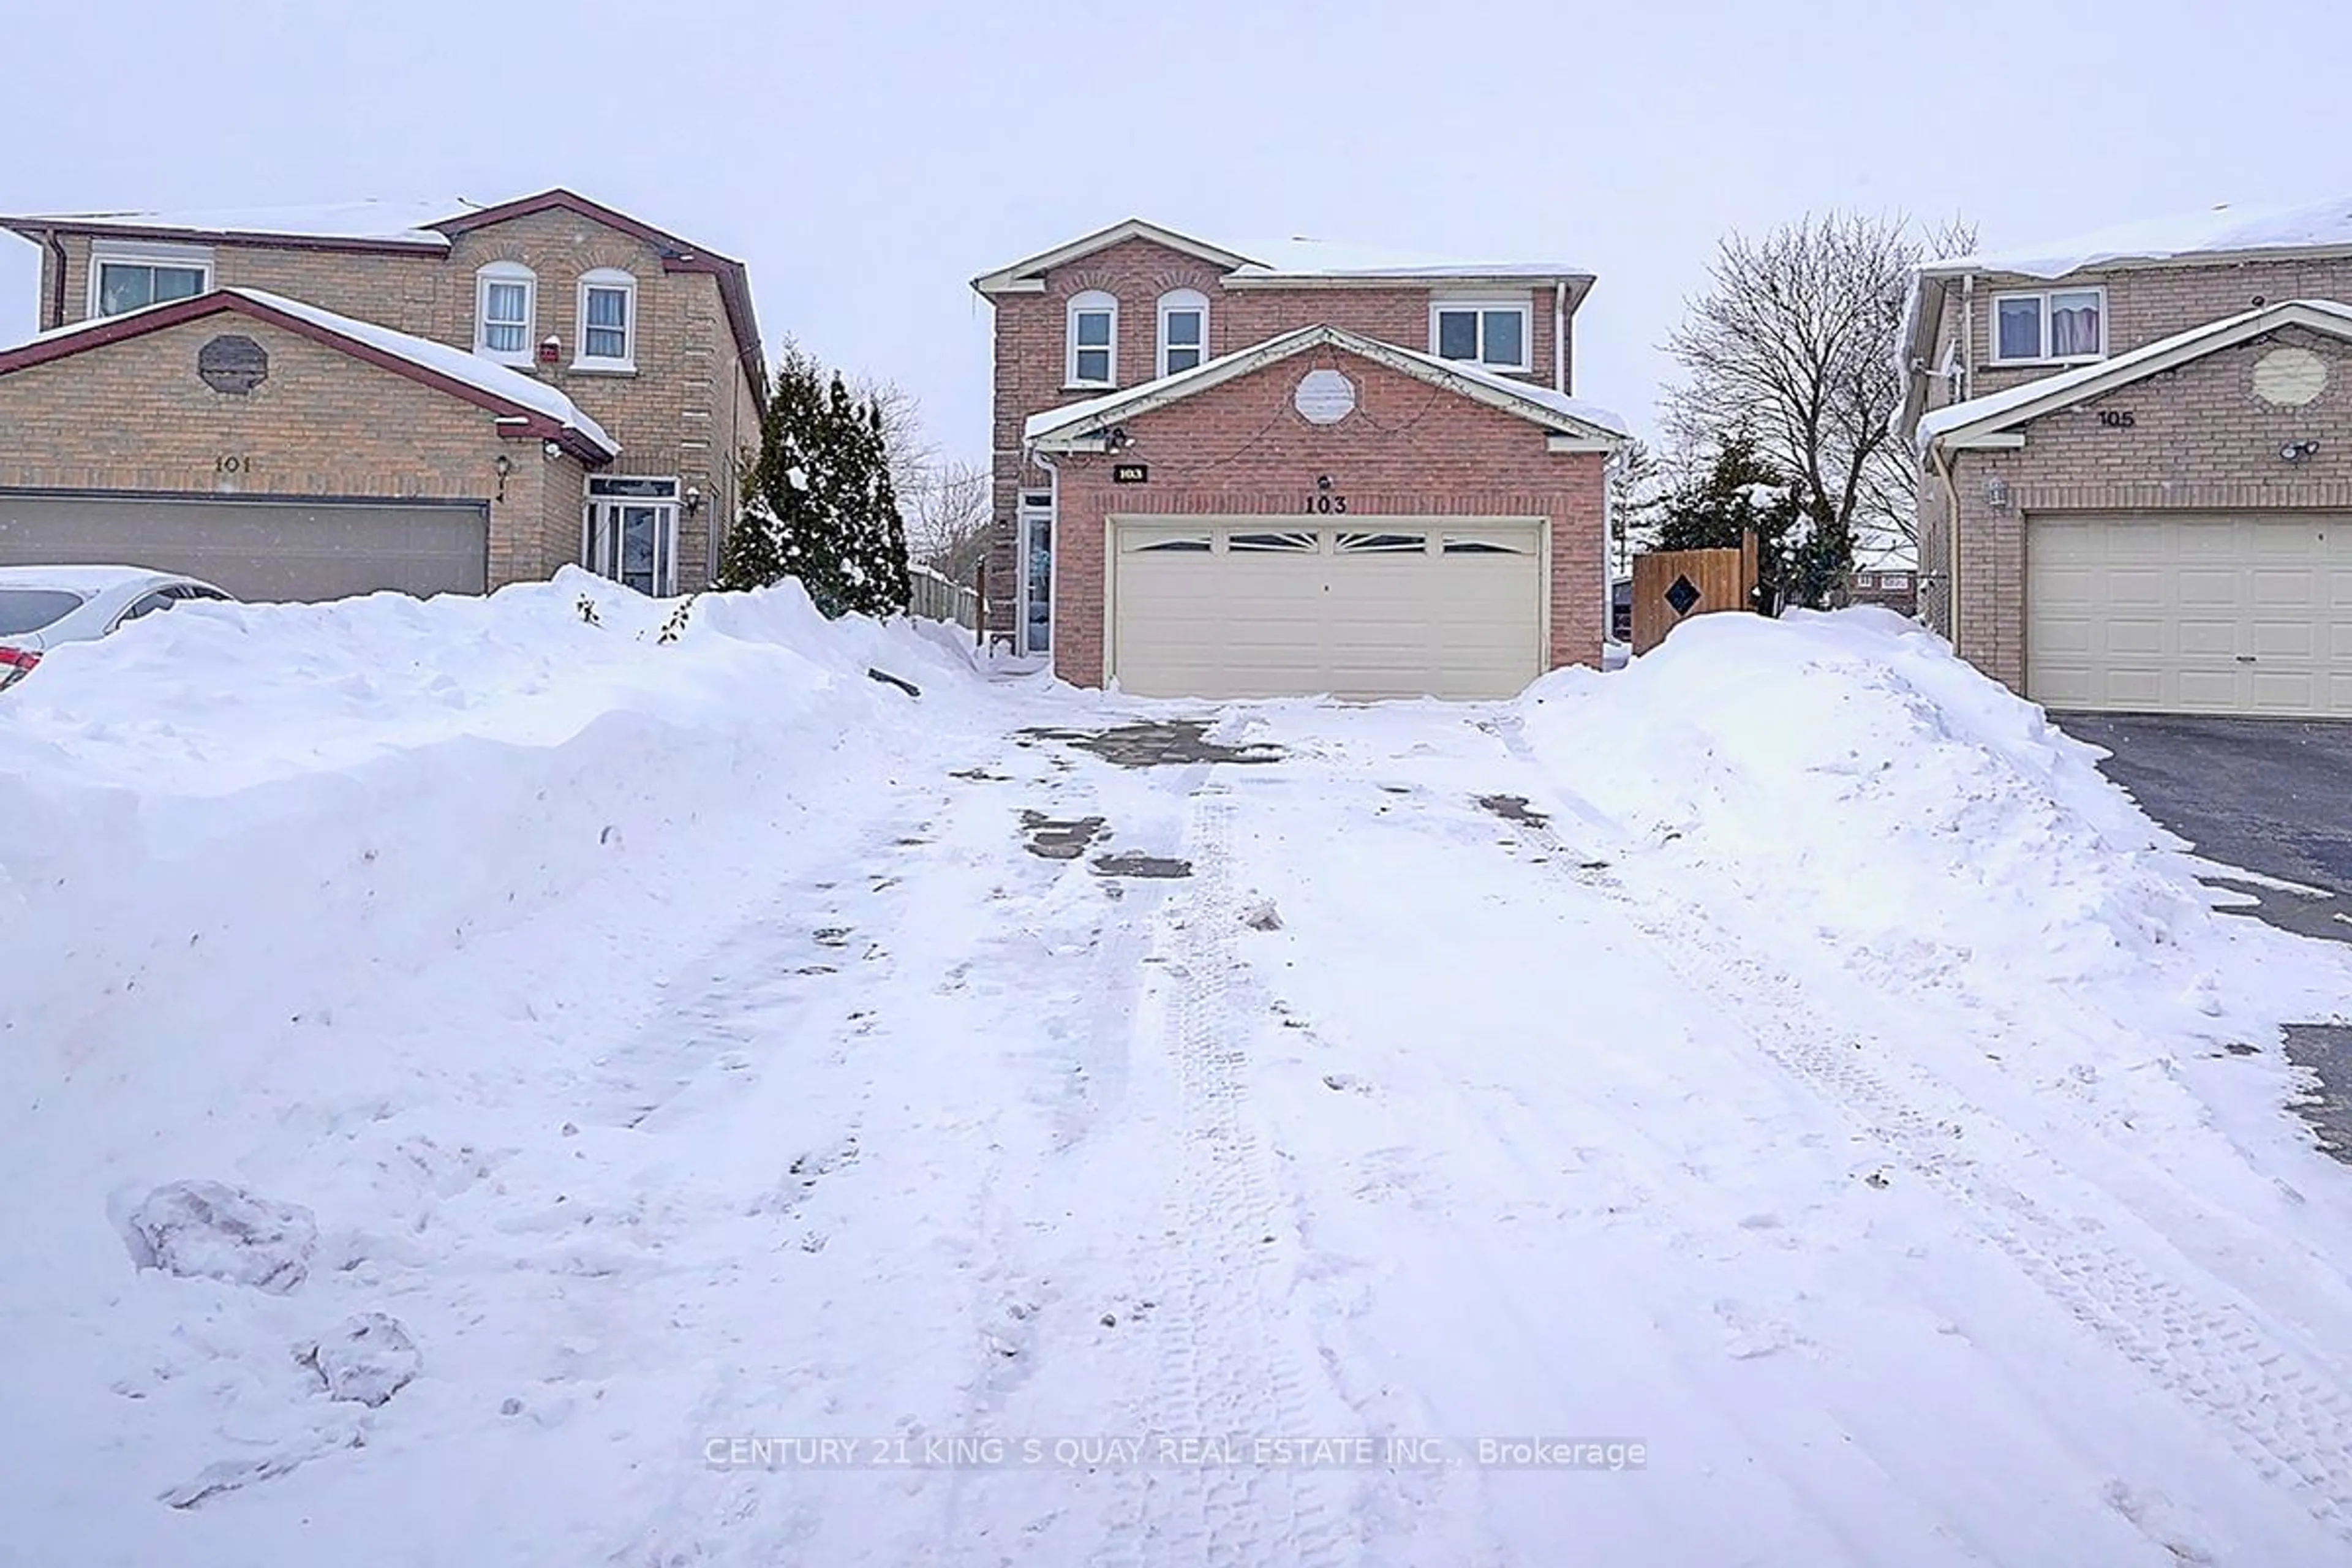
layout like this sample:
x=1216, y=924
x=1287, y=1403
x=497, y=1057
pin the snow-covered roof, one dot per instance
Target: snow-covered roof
x=401, y=222
x=1302, y=257
x=2011, y=406
x=1273, y=262
x=1072, y=421
x=507, y=385
x=457, y=365
x=2218, y=231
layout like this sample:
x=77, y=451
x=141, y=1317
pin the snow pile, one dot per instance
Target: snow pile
x=2225, y=229
x=1848, y=773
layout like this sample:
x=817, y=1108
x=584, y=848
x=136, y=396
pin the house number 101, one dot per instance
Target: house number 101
x=228, y=464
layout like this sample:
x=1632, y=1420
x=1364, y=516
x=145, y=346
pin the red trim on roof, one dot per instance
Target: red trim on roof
x=515, y=421
x=677, y=256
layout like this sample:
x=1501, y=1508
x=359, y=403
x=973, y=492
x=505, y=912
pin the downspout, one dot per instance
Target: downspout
x=1968, y=337
x=1559, y=336
x=1937, y=459
x=56, y=315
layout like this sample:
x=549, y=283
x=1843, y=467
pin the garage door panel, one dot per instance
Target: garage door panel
x=306, y=551
x=1377, y=608
x=2249, y=613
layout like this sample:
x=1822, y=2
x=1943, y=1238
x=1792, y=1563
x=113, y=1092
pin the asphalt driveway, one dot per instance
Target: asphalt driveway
x=2271, y=795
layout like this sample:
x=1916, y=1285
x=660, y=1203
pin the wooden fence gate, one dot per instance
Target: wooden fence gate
x=1672, y=586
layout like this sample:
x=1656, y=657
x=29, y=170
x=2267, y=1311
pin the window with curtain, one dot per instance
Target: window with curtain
x=607, y=318
x=2063, y=324
x=505, y=296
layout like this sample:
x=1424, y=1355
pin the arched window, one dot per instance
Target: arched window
x=506, y=299
x=1094, y=340
x=608, y=320
x=1183, y=329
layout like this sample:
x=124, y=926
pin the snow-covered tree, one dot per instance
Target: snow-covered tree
x=821, y=507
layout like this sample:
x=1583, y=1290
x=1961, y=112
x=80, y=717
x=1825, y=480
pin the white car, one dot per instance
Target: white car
x=41, y=607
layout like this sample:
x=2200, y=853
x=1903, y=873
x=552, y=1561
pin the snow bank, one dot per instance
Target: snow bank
x=1846, y=772
x=233, y=763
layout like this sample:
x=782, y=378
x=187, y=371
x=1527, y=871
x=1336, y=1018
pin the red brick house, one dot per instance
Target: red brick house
x=1290, y=471
x=307, y=404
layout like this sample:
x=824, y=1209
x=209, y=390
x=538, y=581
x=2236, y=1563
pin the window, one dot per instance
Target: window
x=161, y=599
x=1183, y=329
x=128, y=277
x=1094, y=336
x=1272, y=545
x=506, y=299
x=1384, y=544
x=1037, y=572
x=2063, y=324
x=631, y=533
x=608, y=320
x=1484, y=332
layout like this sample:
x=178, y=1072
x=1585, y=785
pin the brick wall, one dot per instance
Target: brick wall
x=2200, y=442
x=1410, y=449
x=688, y=411
x=1031, y=342
x=134, y=416
x=2145, y=304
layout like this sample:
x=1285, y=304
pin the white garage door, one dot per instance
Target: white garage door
x=2243, y=614
x=1282, y=606
x=259, y=549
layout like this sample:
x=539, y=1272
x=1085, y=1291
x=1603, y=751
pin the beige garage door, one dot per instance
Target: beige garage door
x=2244, y=614
x=258, y=549
x=1283, y=607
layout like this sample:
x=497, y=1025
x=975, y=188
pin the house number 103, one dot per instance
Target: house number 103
x=1326, y=504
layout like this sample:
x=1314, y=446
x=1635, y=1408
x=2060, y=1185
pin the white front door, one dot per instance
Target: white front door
x=2244, y=613
x=632, y=533
x=1282, y=606
x=1037, y=568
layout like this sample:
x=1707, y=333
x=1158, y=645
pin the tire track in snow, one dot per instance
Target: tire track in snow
x=1221, y=1373
x=2289, y=1418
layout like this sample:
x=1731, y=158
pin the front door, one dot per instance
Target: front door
x=1037, y=572
x=634, y=544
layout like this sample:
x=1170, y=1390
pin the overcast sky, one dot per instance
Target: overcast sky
x=868, y=158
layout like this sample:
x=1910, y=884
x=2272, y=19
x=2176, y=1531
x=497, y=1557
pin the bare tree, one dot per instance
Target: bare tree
x=1795, y=342
x=948, y=518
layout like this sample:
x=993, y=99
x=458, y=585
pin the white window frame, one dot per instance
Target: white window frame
x=1174, y=303
x=665, y=505
x=1524, y=306
x=626, y=283
x=1035, y=510
x=506, y=272
x=2044, y=296
x=105, y=253
x=1092, y=301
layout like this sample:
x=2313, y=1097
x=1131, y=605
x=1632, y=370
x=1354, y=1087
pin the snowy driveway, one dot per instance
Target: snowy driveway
x=1373, y=1142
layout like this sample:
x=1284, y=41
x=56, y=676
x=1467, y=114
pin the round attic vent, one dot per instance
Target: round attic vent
x=2290, y=377
x=1324, y=397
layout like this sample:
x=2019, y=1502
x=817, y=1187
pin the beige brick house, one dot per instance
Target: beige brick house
x=308, y=404
x=2137, y=463
x=1221, y=473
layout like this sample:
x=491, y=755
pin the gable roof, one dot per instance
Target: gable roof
x=415, y=226
x=1293, y=262
x=1983, y=420
x=524, y=406
x=1577, y=425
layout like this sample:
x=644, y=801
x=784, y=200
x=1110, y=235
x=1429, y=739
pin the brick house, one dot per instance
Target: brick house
x=1230, y=474
x=309, y=404
x=2137, y=463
